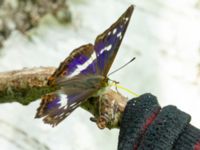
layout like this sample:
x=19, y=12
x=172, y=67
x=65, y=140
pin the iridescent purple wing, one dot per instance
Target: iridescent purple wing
x=107, y=44
x=57, y=106
x=77, y=61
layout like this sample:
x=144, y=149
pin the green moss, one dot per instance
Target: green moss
x=24, y=96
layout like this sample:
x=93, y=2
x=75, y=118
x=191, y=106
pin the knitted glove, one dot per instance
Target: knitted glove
x=145, y=126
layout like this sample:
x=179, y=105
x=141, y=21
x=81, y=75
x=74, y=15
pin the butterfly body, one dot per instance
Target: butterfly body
x=83, y=74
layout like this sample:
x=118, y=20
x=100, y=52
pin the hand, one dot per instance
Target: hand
x=145, y=126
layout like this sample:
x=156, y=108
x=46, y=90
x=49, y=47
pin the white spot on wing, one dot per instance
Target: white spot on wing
x=72, y=105
x=107, y=48
x=114, y=31
x=93, y=56
x=119, y=35
x=63, y=100
x=67, y=114
x=60, y=116
x=126, y=19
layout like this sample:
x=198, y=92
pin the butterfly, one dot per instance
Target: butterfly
x=83, y=73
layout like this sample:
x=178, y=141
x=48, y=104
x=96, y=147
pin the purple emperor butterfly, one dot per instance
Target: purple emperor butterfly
x=82, y=74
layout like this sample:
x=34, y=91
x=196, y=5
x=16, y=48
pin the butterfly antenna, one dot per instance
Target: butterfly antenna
x=122, y=66
x=116, y=84
x=127, y=90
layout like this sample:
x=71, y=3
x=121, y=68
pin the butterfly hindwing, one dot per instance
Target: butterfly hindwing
x=57, y=106
x=107, y=43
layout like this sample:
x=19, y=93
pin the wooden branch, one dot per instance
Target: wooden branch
x=27, y=85
x=24, y=86
x=106, y=109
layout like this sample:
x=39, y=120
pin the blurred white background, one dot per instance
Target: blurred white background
x=164, y=36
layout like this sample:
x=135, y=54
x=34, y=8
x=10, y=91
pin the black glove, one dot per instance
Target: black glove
x=145, y=126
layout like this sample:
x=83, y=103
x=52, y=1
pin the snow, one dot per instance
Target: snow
x=164, y=37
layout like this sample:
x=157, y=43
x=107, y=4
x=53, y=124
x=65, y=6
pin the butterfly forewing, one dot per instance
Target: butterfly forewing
x=107, y=43
x=77, y=61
